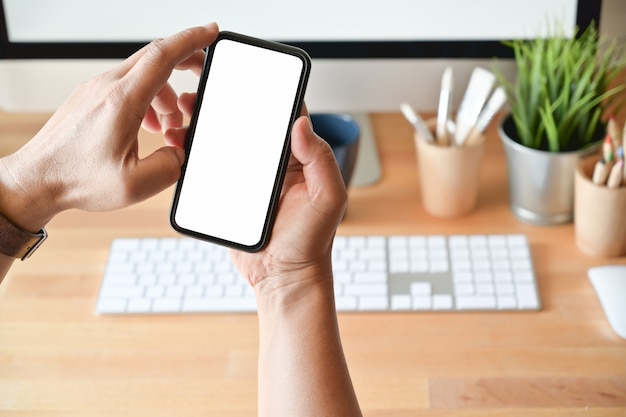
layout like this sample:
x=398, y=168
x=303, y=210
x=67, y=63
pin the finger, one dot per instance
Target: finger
x=123, y=67
x=165, y=104
x=154, y=63
x=186, y=102
x=194, y=63
x=151, y=121
x=176, y=137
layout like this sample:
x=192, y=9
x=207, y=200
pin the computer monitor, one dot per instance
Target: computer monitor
x=368, y=55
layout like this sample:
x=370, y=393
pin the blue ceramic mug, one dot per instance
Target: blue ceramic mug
x=342, y=133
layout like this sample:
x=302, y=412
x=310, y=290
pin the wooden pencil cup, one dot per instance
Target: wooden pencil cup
x=599, y=214
x=449, y=175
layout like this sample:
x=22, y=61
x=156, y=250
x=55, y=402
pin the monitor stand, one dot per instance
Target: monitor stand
x=367, y=170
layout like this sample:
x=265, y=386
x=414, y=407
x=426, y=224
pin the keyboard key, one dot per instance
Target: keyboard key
x=398, y=242
x=478, y=241
x=496, y=241
x=214, y=291
x=485, y=289
x=481, y=253
x=378, y=266
x=365, y=289
x=399, y=266
x=233, y=291
x=461, y=265
x=503, y=288
x=370, y=278
x=464, y=289
x=517, y=241
x=458, y=241
x=133, y=291
x=419, y=266
x=373, y=302
x=139, y=305
x=502, y=276
x=124, y=267
x=436, y=242
x=421, y=288
x=524, y=276
x=174, y=291
x=194, y=291
x=156, y=291
x=378, y=242
x=463, y=277
x=110, y=305
x=527, y=296
x=358, y=242
x=346, y=303
x=417, y=242
x=401, y=302
x=506, y=302
x=476, y=302
x=343, y=277
x=424, y=302
x=442, y=302
x=166, y=305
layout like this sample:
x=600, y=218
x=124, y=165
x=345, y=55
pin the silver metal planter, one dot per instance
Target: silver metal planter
x=541, y=183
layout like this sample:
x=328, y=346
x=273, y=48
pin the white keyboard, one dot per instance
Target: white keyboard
x=372, y=273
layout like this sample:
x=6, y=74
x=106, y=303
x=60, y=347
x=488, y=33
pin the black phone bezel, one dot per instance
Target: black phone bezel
x=285, y=154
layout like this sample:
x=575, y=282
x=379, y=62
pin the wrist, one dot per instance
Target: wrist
x=26, y=198
x=293, y=289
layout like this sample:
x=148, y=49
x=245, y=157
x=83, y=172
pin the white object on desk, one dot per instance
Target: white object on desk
x=609, y=282
x=445, y=106
x=416, y=121
x=495, y=102
x=371, y=273
x=476, y=94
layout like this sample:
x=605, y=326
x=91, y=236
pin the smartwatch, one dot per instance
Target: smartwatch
x=18, y=243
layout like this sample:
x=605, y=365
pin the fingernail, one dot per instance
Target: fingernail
x=180, y=154
x=309, y=126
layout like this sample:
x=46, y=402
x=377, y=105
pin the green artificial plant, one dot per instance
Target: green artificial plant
x=562, y=88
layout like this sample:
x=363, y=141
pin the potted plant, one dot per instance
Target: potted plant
x=557, y=103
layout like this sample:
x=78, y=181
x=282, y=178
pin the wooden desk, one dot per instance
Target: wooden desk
x=58, y=358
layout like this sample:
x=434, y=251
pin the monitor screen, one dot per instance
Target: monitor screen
x=368, y=55
x=325, y=28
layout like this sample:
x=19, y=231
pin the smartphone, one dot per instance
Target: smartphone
x=238, y=145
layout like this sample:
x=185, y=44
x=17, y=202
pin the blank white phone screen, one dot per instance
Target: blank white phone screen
x=239, y=137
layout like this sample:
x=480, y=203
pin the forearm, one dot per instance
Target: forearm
x=302, y=368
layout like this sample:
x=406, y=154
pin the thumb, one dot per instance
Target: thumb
x=319, y=166
x=155, y=173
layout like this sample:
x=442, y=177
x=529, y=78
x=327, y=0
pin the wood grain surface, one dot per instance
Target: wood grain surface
x=57, y=358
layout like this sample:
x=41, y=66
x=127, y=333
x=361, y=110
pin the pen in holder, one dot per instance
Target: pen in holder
x=449, y=175
x=599, y=214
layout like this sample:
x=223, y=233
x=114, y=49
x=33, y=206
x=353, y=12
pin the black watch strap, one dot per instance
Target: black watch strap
x=18, y=243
